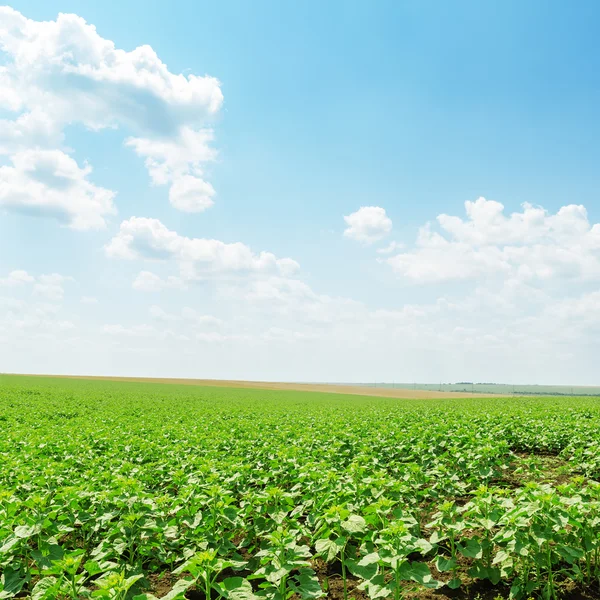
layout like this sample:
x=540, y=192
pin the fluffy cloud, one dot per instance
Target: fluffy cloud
x=67, y=70
x=50, y=183
x=368, y=224
x=530, y=245
x=17, y=277
x=143, y=238
x=61, y=72
x=191, y=194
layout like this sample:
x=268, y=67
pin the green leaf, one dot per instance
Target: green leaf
x=570, y=554
x=26, y=531
x=502, y=557
x=8, y=545
x=354, y=524
x=236, y=588
x=419, y=573
x=471, y=548
x=366, y=568
x=454, y=584
x=307, y=586
x=327, y=548
x=179, y=589
x=423, y=546
x=12, y=583
x=437, y=537
x=376, y=588
x=478, y=571
x=443, y=564
x=45, y=589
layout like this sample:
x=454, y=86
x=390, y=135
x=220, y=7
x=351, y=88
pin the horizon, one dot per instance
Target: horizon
x=418, y=385
x=271, y=192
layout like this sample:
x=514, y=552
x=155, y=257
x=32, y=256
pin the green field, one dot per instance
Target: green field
x=123, y=490
x=491, y=388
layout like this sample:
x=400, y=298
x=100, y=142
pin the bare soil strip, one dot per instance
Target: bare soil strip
x=355, y=390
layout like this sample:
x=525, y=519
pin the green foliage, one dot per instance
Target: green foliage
x=241, y=494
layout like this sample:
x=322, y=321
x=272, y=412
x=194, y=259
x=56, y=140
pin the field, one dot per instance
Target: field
x=490, y=388
x=140, y=490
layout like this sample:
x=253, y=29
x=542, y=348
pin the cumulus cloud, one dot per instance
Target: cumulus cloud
x=65, y=68
x=61, y=72
x=51, y=183
x=143, y=238
x=368, y=224
x=530, y=245
x=191, y=194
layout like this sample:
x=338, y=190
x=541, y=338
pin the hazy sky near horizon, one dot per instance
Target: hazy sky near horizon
x=340, y=191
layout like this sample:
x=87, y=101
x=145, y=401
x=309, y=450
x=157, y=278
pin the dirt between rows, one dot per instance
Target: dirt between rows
x=355, y=390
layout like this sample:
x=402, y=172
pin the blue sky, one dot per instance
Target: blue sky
x=406, y=109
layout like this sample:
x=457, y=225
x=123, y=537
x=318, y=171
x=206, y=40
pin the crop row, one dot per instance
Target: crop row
x=107, y=490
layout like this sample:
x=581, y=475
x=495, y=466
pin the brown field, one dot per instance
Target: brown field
x=355, y=390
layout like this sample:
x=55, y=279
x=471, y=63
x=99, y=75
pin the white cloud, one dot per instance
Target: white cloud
x=50, y=183
x=191, y=194
x=179, y=161
x=61, y=72
x=143, y=238
x=391, y=247
x=368, y=224
x=51, y=286
x=168, y=159
x=89, y=300
x=66, y=69
x=146, y=281
x=531, y=245
x=17, y=277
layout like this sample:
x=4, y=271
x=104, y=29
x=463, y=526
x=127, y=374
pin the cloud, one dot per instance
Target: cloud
x=50, y=183
x=51, y=286
x=66, y=69
x=146, y=281
x=368, y=224
x=191, y=194
x=17, y=277
x=209, y=321
x=157, y=313
x=179, y=162
x=143, y=238
x=391, y=247
x=530, y=245
x=89, y=300
x=57, y=73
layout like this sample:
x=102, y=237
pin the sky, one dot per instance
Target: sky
x=338, y=192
